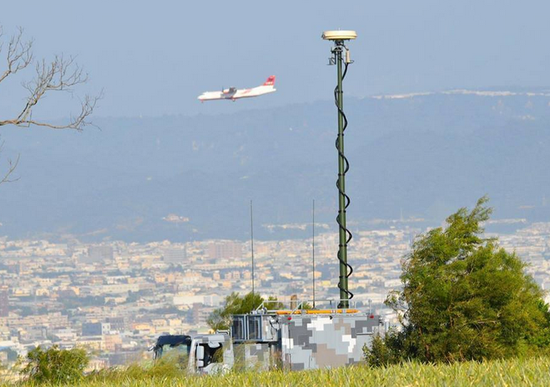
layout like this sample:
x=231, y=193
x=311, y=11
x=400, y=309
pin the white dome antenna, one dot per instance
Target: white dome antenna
x=339, y=35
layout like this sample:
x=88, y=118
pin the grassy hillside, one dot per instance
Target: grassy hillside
x=530, y=372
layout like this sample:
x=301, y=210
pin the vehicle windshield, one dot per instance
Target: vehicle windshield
x=178, y=354
x=180, y=345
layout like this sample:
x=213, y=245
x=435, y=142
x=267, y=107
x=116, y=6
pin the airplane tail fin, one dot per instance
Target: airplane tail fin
x=270, y=81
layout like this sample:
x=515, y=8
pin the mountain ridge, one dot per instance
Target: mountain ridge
x=423, y=156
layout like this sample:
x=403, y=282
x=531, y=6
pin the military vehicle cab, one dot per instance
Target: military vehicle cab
x=205, y=354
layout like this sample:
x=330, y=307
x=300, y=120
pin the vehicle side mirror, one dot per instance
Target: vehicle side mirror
x=200, y=364
x=200, y=352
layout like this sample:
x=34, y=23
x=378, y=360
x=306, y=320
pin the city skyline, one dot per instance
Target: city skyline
x=117, y=297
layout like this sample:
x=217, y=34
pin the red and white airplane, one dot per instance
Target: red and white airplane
x=233, y=93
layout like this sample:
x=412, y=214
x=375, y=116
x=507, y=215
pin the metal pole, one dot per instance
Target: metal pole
x=313, y=251
x=343, y=245
x=252, y=243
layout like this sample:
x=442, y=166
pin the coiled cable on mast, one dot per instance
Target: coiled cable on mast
x=349, y=235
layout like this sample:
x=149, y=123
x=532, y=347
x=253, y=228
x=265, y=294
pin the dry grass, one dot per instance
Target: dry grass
x=515, y=372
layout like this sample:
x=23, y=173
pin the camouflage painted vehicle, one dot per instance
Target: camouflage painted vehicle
x=205, y=354
x=298, y=339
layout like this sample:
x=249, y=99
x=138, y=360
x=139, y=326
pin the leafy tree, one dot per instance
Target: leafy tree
x=378, y=354
x=464, y=298
x=273, y=304
x=220, y=319
x=234, y=304
x=56, y=365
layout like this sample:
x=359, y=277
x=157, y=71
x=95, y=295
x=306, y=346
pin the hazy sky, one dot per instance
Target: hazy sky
x=155, y=57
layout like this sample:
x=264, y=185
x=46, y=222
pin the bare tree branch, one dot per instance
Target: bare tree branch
x=11, y=168
x=61, y=74
x=19, y=54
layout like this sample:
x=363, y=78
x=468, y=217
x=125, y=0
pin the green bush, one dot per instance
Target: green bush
x=55, y=366
x=464, y=298
x=220, y=319
x=378, y=354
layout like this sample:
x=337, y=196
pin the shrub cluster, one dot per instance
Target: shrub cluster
x=55, y=365
x=463, y=298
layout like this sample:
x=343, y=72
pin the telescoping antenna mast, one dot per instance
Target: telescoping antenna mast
x=341, y=58
x=313, y=250
x=252, y=244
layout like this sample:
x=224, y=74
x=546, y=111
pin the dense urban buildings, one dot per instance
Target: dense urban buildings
x=115, y=298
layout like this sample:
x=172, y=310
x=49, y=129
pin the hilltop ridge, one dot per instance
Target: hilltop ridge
x=181, y=178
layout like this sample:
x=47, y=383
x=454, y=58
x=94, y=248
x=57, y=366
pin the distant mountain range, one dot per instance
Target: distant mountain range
x=181, y=178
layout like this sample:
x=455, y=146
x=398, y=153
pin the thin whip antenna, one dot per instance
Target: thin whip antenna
x=313, y=250
x=252, y=243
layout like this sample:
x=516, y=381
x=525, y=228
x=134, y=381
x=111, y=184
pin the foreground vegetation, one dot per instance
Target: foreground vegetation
x=511, y=372
x=464, y=298
x=470, y=316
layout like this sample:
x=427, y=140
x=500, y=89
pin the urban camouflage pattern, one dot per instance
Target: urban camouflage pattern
x=302, y=341
x=324, y=341
x=257, y=356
